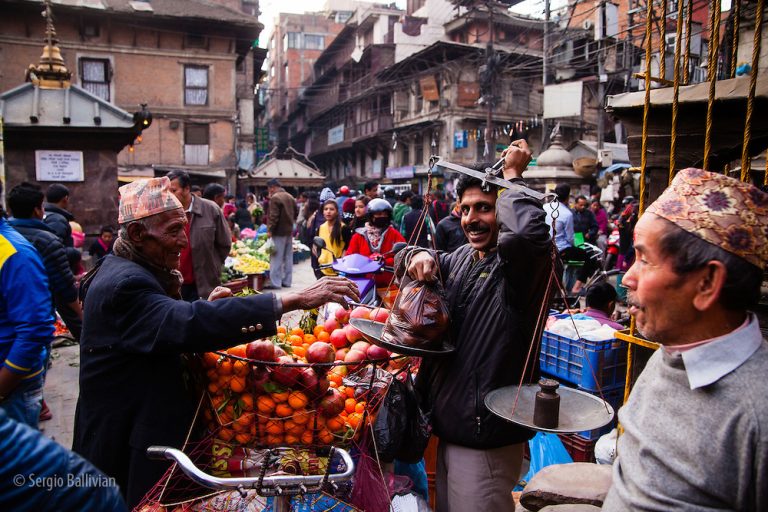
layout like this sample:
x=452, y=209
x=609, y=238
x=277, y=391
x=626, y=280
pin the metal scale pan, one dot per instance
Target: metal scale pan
x=372, y=331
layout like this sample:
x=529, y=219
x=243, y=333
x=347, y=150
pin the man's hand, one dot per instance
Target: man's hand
x=422, y=267
x=220, y=292
x=327, y=289
x=516, y=159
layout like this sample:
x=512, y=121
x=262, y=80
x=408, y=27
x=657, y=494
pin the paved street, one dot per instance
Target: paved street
x=61, y=386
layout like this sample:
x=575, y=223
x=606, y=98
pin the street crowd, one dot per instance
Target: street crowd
x=695, y=424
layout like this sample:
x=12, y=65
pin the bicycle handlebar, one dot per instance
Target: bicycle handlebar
x=260, y=482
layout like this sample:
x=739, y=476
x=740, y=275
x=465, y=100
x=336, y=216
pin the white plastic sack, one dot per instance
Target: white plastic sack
x=605, y=448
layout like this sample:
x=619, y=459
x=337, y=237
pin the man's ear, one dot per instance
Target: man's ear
x=136, y=233
x=710, y=281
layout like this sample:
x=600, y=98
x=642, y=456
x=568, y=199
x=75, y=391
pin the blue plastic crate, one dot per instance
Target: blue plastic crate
x=615, y=397
x=587, y=364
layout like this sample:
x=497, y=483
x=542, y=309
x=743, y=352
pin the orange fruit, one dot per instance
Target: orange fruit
x=307, y=437
x=210, y=359
x=265, y=404
x=333, y=384
x=225, y=368
x=350, y=391
x=283, y=410
x=300, y=351
x=237, y=384
x=297, y=331
x=245, y=419
x=292, y=439
x=323, y=336
x=354, y=419
x=226, y=434
x=335, y=424
x=213, y=387
x=238, y=350
x=273, y=440
x=281, y=329
x=292, y=428
x=325, y=436
x=298, y=400
x=280, y=397
x=301, y=417
x=295, y=340
x=360, y=407
x=243, y=437
x=335, y=378
x=317, y=330
x=349, y=405
x=281, y=336
x=208, y=415
x=240, y=368
x=212, y=374
x=310, y=338
x=246, y=401
x=274, y=427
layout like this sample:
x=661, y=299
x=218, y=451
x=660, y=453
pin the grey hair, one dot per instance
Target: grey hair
x=688, y=252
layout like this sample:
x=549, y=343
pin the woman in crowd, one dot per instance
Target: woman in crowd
x=336, y=236
x=361, y=212
x=377, y=238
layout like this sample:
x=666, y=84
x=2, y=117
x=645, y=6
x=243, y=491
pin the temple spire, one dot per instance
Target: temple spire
x=51, y=72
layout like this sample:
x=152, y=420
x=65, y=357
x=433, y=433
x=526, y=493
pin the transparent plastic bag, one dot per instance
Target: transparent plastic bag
x=419, y=317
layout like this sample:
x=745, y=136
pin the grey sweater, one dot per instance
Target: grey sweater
x=696, y=450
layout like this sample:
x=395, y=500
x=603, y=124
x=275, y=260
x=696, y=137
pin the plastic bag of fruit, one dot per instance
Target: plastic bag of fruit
x=419, y=317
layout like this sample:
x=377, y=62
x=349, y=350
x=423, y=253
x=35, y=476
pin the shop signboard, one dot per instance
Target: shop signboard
x=400, y=173
x=336, y=135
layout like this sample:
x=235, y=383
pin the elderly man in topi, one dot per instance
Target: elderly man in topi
x=132, y=390
x=696, y=423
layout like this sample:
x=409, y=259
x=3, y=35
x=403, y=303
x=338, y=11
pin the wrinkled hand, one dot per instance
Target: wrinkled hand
x=220, y=292
x=327, y=289
x=422, y=267
x=516, y=159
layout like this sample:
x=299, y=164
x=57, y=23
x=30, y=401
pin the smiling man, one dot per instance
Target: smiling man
x=495, y=286
x=696, y=423
x=132, y=389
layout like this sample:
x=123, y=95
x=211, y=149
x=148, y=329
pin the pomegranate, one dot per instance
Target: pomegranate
x=260, y=350
x=376, y=352
x=286, y=375
x=314, y=385
x=332, y=403
x=320, y=352
x=279, y=352
x=354, y=356
x=341, y=353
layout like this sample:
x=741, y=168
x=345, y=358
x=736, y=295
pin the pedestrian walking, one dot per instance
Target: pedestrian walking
x=282, y=215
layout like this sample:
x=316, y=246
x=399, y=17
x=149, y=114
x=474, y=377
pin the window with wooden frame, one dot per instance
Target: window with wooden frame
x=196, y=144
x=196, y=85
x=95, y=76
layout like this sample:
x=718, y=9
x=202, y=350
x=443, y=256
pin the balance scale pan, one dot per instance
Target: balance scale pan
x=372, y=332
x=579, y=410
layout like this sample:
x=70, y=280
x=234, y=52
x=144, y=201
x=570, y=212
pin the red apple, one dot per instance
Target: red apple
x=360, y=312
x=360, y=346
x=260, y=350
x=341, y=354
x=354, y=356
x=320, y=352
x=379, y=315
x=342, y=316
x=376, y=352
x=339, y=338
x=353, y=334
x=331, y=325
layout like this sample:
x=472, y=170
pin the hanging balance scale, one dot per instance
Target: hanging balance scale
x=545, y=406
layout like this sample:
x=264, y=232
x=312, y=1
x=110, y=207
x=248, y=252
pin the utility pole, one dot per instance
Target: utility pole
x=601, y=79
x=545, y=52
x=490, y=63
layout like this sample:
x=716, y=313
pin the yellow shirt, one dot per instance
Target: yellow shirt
x=336, y=248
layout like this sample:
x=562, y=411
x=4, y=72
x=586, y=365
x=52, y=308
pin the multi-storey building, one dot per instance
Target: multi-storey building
x=190, y=61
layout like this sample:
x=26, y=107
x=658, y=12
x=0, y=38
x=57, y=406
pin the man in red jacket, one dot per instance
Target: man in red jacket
x=377, y=238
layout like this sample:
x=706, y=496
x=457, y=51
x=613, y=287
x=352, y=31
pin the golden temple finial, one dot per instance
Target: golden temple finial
x=51, y=72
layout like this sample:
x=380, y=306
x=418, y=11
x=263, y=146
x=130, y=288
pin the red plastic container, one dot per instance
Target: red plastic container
x=581, y=449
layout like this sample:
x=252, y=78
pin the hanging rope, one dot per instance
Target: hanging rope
x=687, y=68
x=663, y=41
x=676, y=89
x=714, y=44
x=735, y=38
x=647, y=103
x=745, y=163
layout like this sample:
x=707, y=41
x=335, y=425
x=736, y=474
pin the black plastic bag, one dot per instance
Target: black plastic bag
x=402, y=428
x=418, y=426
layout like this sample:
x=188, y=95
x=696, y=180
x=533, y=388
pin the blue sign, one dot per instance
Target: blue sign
x=460, y=139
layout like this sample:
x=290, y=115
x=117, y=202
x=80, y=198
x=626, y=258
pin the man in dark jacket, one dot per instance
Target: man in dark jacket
x=280, y=219
x=132, y=388
x=584, y=220
x=26, y=204
x=209, y=240
x=449, y=236
x=495, y=286
x=57, y=216
x=413, y=223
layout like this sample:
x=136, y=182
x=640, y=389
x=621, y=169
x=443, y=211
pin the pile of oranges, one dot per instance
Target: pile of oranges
x=246, y=410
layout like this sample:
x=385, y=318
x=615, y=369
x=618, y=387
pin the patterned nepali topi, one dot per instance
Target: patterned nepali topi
x=720, y=210
x=144, y=198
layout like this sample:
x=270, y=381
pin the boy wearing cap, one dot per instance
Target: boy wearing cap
x=696, y=424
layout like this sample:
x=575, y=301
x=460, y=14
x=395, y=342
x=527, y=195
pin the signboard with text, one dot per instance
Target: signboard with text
x=400, y=173
x=52, y=165
x=336, y=135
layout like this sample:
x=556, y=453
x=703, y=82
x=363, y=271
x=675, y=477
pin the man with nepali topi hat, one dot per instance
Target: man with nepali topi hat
x=696, y=423
x=135, y=329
